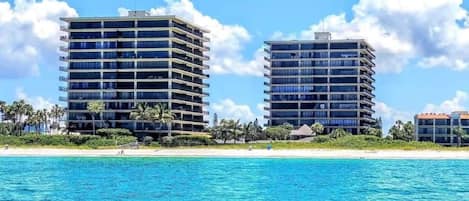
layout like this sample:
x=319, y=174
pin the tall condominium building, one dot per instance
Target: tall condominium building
x=321, y=80
x=123, y=61
x=440, y=128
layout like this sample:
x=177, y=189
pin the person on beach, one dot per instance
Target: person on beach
x=250, y=148
x=6, y=147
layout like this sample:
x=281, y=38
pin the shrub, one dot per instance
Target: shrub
x=147, y=140
x=321, y=139
x=100, y=142
x=108, y=132
x=187, y=140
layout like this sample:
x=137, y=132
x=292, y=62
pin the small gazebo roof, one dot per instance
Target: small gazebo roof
x=304, y=130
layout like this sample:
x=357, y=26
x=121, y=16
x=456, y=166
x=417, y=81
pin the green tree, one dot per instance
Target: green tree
x=223, y=130
x=162, y=115
x=402, y=131
x=338, y=133
x=3, y=106
x=277, y=132
x=460, y=134
x=95, y=108
x=374, y=131
x=140, y=113
x=317, y=128
x=56, y=113
x=17, y=112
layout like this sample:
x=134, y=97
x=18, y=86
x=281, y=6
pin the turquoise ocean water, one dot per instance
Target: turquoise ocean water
x=36, y=178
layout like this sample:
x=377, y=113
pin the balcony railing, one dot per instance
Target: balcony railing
x=62, y=88
x=63, y=28
x=63, y=38
x=63, y=58
x=206, y=103
x=63, y=48
x=63, y=69
x=266, y=83
x=63, y=78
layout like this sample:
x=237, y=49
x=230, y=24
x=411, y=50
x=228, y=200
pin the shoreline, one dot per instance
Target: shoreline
x=239, y=153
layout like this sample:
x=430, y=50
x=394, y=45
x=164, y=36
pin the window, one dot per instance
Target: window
x=291, y=114
x=118, y=85
x=344, y=114
x=343, y=97
x=85, y=35
x=314, y=46
x=343, y=106
x=153, y=34
x=343, y=88
x=344, y=63
x=345, y=71
x=311, y=106
x=310, y=80
x=118, y=95
x=311, y=63
x=314, y=55
x=284, y=55
x=284, y=72
x=153, y=54
x=343, y=79
x=119, y=24
x=284, y=47
x=349, y=54
x=84, y=95
x=284, y=105
x=118, y=65
x=85, y=25
x=118, y=75
x=84, y=85
x=85, y=65
x=153, y=23
x=87, y=75
x=85, y=45
x=152, y=95
x=152, y=75
x=152, y=64
x=311, y=114
x=152, y=44
x=85, y=55
x=284, y=80
x=353, y=45
x=119, y=34
x=314, y=71
x=284, y=63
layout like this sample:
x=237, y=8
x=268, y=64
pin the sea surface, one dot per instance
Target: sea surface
x=63, y=178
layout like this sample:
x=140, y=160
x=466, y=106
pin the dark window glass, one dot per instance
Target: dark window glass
x=85, y=45
x=85, y=35
x=109, y=45
x=152, y=44
x=119, y=34
x=314, y=71
x=118, y=95
x=77, y=106
x=87, y=75
x=284, y=63
x=353, y=45
x=344, y=114
x=284, y=72
x=284, y=55
x=119, y=75
x=152, y=85
x=152, y=64
x=284, y=105
x=84, y=95
x=314, y=55
x=85, y=25
x=119, y=24
x=291, y=114
x=152, y=95
x=126, y=44
x=343, y=88
x=85, y=65
x=284, y=80
x=343, y=106
x=343, y=79
x=153, y=23
x=84, y=85
x=314, y=114
x=345, y=71
x=343, y=97
x=85, y=55
x=153, y=54
x=310, y=80
x=344, y=54
x=153, y=34
x=118, y=65
x=284, y=47
x=152, y=75
x=113, y=55
x=310, y=63
x=314, y=46
x=344, y=63
x=118, y=85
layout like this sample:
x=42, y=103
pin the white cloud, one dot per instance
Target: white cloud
x=228, y=109
x=389, y=115
x=226, y=43
x=38, y=102
x=30, y=35
x=402, y=30
x=457, y=103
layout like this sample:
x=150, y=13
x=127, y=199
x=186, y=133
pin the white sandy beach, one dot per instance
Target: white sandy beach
x=303, y=153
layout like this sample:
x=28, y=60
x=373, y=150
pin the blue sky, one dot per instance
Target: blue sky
x=422, y=64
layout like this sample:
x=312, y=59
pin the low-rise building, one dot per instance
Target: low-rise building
x=439, y=128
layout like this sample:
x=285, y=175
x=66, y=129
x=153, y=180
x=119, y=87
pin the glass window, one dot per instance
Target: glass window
x=343, y=88
x=311, y=106
x=344, y=114
x=153, y=23
x=87, y=75
x=152, y=44
x=119, y=24
x=118, y=65
x=85, y=45
x=284, y=80
x=284, y=55
x=284, y=105
x=284, y=72
x=153, y=34
x=118, y=95
x=84, y=95
x=310, y=63
x=152, y=85
x=344, y=63
x=109, y=45
x=345, y=71
x=314, y=55
x=152, y=95
x=85, y=65
x=152, y=75
x=118, y=75
x=343, y=96
x=152, y=64
x=153, y=54
x=343, y=79
x=119, y=34
x=310, y=80
x=352, y=45
x=314, y=46
x=85, y=25
x=344, y=106
x=348, y=54
x=84, y=85
x=284, y=63
x=284, y=47
x=85, y=35
x=292, y=114
x=85, y=55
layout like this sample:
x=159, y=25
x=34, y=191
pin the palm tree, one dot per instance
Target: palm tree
x=140, y=113
x=95, y=107
x=317, y=128
x=3, y=105
x=247, y=131
x=56, y=112
x=160, y=114
x=18, y=111
x=460, y=134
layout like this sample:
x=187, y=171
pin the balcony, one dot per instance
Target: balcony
x=266, y=83
x=266, y=67
x=62, y=98
x=63, y=79
x=63, y=48
x=205, y=112
x=206, y=84
x=206, y=103
x=266, y=108
x=64, y=38
x=267, y=59
x=63, y=69
x=266, y=75
x=206, y=93
x=266, y=91
x=206, y=39
x=61, y=88
x=267, y=50
x=266, y=100
x=64, y=28
x=63, y=58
